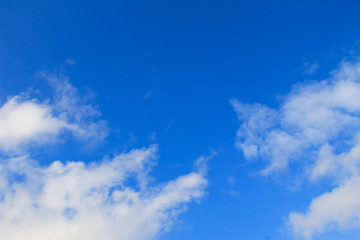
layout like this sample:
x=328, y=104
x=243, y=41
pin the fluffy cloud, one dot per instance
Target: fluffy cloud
x=338, y=208
x=26, y=121
x=317, y=126
x=90, y=201
x=112, y=198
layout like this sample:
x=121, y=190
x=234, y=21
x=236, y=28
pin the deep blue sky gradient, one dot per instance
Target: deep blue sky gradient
x=170, y=68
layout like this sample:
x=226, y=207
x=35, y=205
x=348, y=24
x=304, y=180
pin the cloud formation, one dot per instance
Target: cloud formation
x=111, y=199
x=317, y=127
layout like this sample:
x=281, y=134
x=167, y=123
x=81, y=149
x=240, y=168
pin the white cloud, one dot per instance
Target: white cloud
x=339, y=208
x=90, y=201
x=26, y=121
x=111, y=199
x=317, y=126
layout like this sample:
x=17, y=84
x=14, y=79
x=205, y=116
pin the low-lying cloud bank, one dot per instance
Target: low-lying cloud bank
x=317, y=126
x=109, y=199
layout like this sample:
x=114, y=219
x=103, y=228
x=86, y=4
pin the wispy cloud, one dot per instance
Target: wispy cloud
x=67, y=104
x=310, y=68
x=148, y=94
x=317, y=126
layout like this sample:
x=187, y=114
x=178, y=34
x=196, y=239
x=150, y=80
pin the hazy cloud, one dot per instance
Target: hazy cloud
x=309, y=68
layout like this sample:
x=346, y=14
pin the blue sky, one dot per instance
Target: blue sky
x=262, y=93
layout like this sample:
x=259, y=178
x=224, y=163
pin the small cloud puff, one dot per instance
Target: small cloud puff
x=26, y=121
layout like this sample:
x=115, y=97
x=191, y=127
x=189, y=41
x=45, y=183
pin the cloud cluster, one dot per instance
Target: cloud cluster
x=110, y=199
x=90, y=201
x=317, y=127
